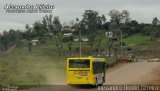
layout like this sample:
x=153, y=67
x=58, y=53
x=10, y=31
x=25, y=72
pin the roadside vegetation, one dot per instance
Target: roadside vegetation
x=23, y=68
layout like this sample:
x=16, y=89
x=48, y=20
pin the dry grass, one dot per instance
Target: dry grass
x=23, y=68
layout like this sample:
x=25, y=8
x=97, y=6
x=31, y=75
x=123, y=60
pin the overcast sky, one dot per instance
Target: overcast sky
x=140, y=10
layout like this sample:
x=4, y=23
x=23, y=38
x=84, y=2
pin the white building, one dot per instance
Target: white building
x=76, y=40
x=85, y=39
x=35, y=42
x=67, y=34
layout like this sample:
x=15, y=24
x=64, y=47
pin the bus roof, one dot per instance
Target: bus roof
x=99, y=59
x=90, y=57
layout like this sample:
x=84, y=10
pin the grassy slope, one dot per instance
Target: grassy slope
x=140, y=41
x=39, y=67
x=137, y=40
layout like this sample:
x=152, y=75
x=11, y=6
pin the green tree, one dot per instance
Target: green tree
x=93, y=21
x=90, y=23
x=27, y=33
x=116, y=16
x=117, y=20
x=58, y=34
x=155, y=27
x=155, y=21
x=19, y=37
x=40, y=29
x=8, y=39
x=54, y=26
x=28, y=37
x=99, y=42
x=1, y=43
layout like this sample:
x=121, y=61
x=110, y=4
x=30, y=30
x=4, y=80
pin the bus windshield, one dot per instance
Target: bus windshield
x=79, y=63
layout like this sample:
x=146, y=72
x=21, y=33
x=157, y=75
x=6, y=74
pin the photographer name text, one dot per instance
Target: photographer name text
x=38, y=8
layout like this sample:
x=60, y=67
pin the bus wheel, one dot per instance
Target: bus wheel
x=103, y=79
x=99, y=85
x=96, y=85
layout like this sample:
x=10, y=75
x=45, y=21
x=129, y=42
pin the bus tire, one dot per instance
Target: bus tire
x=96, y=85
x=103, y=79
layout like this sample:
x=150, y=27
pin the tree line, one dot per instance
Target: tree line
x=92, y=25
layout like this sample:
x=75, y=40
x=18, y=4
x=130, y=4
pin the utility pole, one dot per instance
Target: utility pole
x=121, y=42
x=80, y=51
x=79, y=37
x=109, y=36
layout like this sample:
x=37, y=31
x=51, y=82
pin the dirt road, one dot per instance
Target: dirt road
x=10, y=49
x=134, y=73
x=130, y=73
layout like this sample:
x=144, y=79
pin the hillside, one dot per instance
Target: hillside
x=42, y=66
x=36, y=68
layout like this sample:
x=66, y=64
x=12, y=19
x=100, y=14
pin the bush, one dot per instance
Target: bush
x=67, y=39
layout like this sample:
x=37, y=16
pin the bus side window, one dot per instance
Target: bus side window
x=98, y=68
x=95, y=68
x=101, y=66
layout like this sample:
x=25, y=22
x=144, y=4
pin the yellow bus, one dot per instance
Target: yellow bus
x=85, y=70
